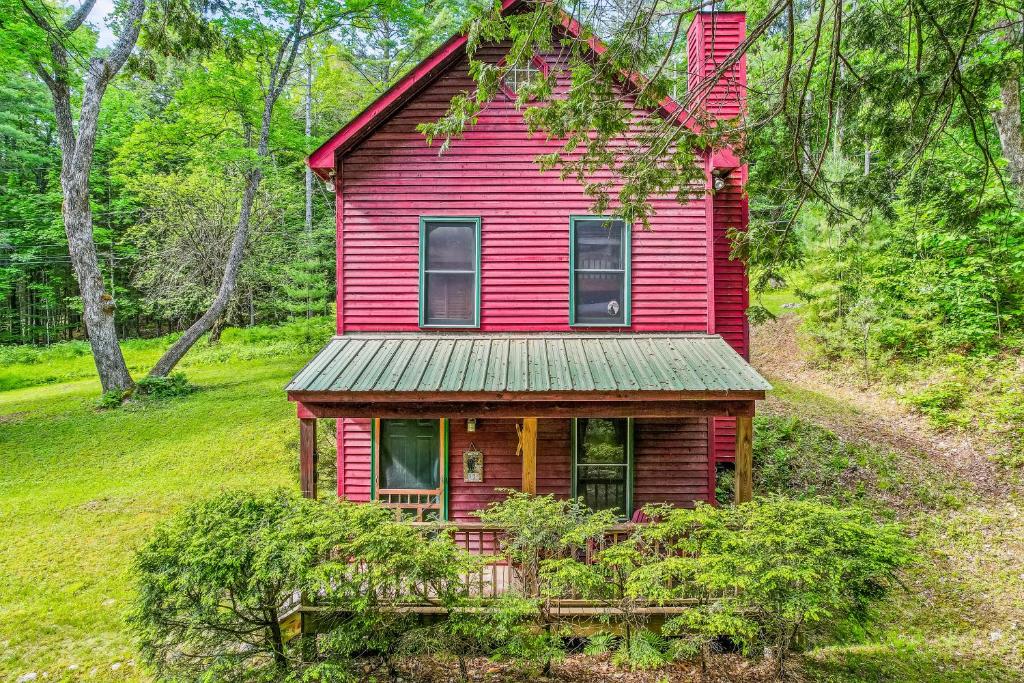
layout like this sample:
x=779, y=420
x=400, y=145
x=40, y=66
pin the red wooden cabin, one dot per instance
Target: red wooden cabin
x=492, y=334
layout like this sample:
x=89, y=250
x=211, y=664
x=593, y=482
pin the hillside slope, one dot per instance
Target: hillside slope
x=962, y=617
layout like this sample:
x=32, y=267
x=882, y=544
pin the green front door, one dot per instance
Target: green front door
x=410, y=453
x=409, y=467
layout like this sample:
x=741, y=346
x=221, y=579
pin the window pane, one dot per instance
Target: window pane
x=450, y=246
x=600, y=298
x=601, y=441
x=409, y=454
x=450, y=298
x=602, y=488
x=599, y=245
x=519, y=76
x=601, y=462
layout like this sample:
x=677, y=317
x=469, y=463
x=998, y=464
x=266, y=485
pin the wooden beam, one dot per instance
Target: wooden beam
x=516, y=409
x=307, y=456
x=744, y=459
x=529, y=455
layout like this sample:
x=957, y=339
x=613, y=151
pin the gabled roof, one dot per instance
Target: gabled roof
x=322, y=159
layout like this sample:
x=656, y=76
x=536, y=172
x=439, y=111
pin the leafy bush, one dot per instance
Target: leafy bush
x=534, y=529
x=212, y=582
x=538, y=526
x=175, y=384
x=939, y=399
x=771, y=574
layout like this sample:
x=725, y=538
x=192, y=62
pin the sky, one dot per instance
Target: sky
x=97, y=18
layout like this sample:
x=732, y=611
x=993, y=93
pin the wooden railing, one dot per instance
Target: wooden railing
x=498, y=573
x=417, y=505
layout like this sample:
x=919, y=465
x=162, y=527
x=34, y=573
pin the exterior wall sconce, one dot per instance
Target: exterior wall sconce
x=330, y=181
x=718, y=178
x=471, y=424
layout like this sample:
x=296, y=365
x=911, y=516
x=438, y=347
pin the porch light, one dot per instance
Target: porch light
x=718, y=178
x=471, y=424
x=330, y=181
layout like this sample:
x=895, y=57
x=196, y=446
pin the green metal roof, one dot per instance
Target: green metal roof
x=418, y=363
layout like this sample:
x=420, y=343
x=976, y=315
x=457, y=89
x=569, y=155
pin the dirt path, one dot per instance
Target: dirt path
x=867, y=414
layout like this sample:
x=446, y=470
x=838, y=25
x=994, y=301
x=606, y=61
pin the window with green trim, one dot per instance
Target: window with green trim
x=449, y=272
x=599, y=285
x=603, y=463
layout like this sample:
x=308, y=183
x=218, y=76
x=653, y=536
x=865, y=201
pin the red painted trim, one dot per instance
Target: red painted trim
x=339, y=432
x=303, y=412
x=712, y=463
x=339, y=249
x=709, y=226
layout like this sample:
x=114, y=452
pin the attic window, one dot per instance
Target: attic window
x=520, y=76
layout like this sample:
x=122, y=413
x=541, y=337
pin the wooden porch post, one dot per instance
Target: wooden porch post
x=530, y=455
x=744, y=459
x=307, y=456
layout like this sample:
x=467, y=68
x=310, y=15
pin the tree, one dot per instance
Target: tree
x=64, y=40
x=883, y=81
x=276, y=42
x=770, y=573
x=213, y=580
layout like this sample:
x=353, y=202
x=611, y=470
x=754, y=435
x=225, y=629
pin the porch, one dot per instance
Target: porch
x=565, y=414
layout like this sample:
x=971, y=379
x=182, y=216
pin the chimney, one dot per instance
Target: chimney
x=710, y=41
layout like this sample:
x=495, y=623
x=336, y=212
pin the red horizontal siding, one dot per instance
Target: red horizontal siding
x=354, y=459
x=392, y=178
x=496, y=439
x=670, y=462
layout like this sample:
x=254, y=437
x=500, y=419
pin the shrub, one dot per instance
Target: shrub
x=212, y=582
x=538, y=526
x=175, y=384
x=535, y=529
x=771, y=574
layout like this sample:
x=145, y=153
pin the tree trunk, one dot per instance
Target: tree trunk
x=97, y=305
x=308, y=106
x=279, y=75
x=1008, y=123
x=76, y=162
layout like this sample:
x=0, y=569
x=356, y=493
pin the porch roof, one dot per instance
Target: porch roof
x=426, y=366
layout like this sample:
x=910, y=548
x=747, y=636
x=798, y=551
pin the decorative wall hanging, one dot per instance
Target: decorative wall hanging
x=472, y=464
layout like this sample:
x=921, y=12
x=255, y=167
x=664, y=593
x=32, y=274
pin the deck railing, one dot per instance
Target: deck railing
x=499, y=573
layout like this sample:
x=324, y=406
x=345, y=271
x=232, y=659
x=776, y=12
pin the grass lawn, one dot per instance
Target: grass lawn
x=79, y=488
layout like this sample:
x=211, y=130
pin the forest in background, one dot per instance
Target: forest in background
x=884, y=141
x=167, y=177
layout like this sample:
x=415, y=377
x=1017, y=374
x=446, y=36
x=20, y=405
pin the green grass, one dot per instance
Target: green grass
x=80, y=487
x=774, y=300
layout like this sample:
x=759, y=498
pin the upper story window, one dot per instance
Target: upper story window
x=599, y=285
x=449, y=271
x=519, y=76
